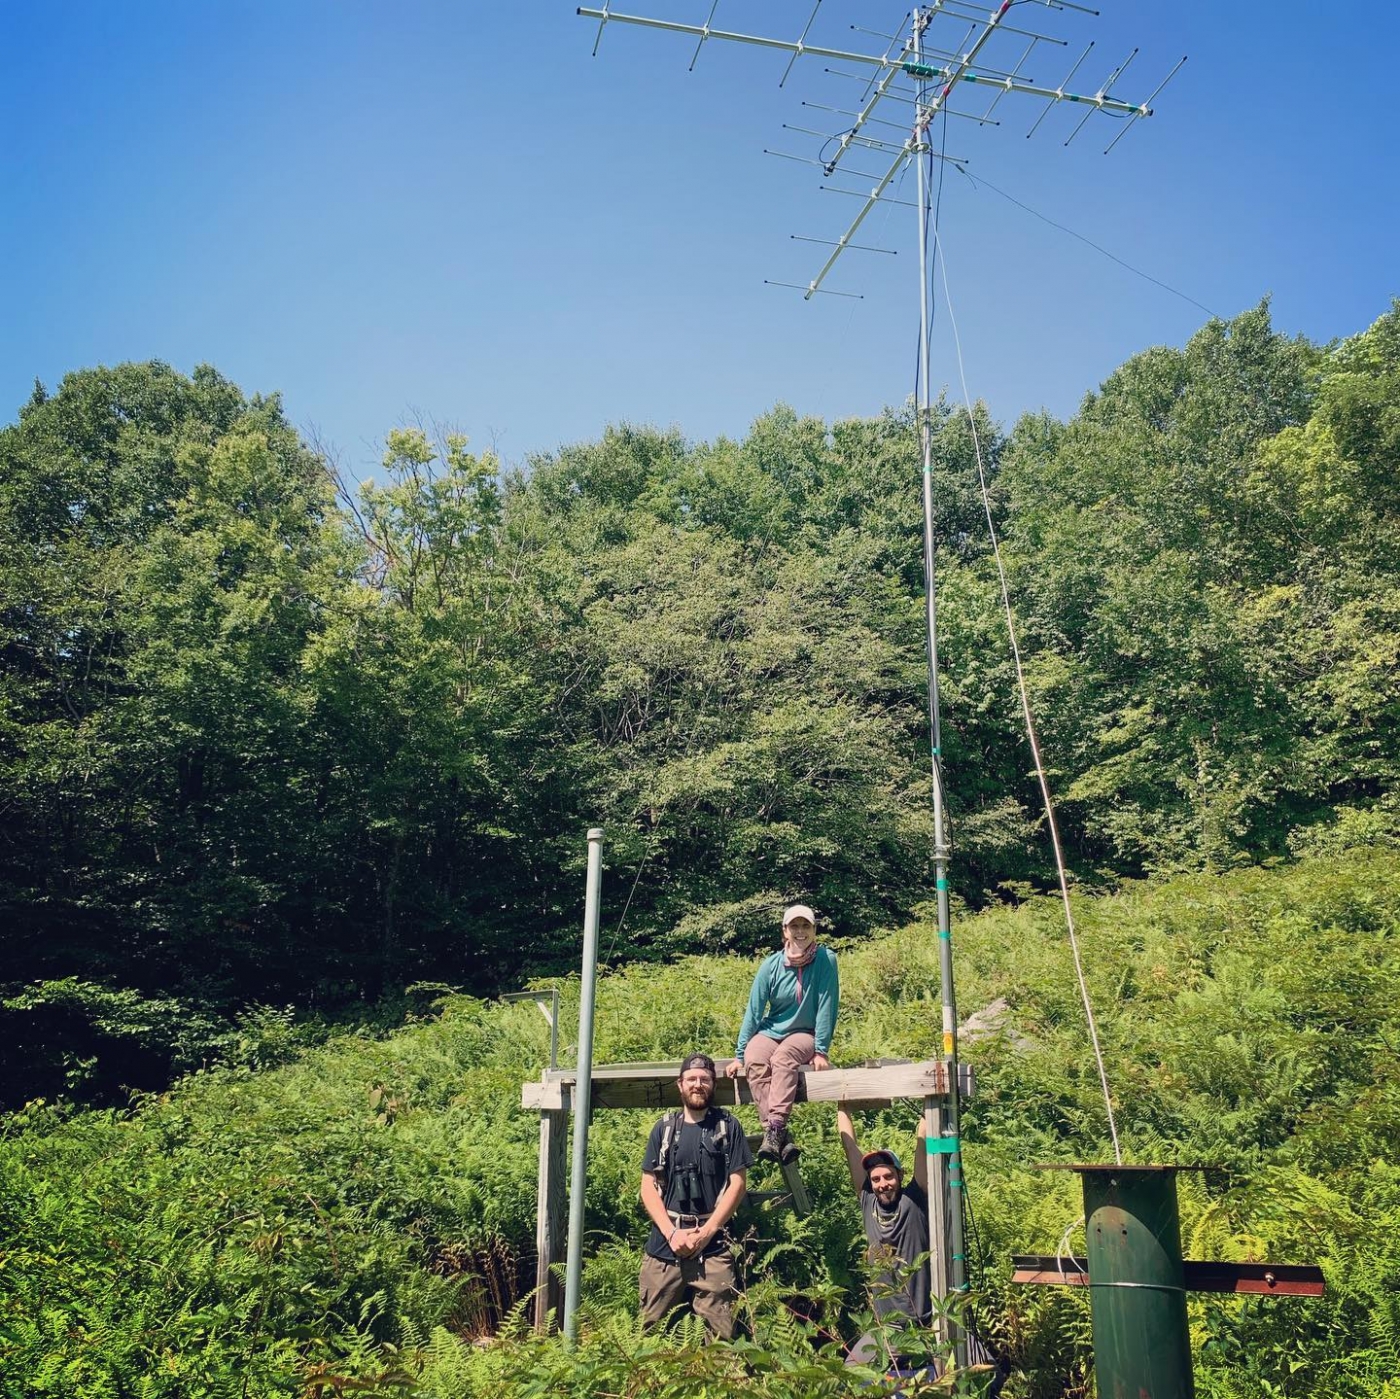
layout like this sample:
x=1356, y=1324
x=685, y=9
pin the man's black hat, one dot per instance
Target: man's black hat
x=698, y=1061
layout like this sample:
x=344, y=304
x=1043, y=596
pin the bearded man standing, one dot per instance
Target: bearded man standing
x=693, y=1177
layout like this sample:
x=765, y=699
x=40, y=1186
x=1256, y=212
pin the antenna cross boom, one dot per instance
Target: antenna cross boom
x=937, y=81
x=952, y=71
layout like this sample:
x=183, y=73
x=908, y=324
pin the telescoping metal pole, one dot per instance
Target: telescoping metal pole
x=942, y=1148
x=583, y=1088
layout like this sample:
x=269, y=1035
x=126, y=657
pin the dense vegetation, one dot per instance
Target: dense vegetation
x=263, y=742
x=295, y=777
x=358, y=1213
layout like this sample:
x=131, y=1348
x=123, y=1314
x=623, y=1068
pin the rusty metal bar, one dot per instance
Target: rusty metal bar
x=1261, y=1279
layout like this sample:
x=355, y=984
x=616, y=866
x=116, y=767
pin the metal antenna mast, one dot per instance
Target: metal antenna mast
x=938, y=74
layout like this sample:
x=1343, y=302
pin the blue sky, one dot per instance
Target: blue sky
x=453, y=211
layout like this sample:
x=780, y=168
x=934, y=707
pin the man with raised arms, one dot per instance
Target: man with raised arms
x=897, y=1235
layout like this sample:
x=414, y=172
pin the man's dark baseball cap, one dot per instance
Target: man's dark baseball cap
x=882, y=1157
x=699, y=1061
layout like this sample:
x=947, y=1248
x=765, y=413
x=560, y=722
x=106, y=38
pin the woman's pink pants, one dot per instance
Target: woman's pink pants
x=771, y=1067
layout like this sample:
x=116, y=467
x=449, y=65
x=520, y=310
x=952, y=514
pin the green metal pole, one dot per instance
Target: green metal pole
x=583, y=1088
x=1142, y=1348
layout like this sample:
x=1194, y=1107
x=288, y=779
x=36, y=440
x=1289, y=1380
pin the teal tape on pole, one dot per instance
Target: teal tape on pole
x=940, y=884
x=941, y=1146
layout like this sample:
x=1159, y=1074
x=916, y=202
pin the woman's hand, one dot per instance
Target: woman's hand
x=820, y=1061
x=733, y=1068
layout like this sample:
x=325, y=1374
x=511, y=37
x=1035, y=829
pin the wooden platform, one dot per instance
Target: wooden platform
x=654, y=1086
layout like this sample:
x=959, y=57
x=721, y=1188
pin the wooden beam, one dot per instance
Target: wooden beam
x=654, y=1086
x=549, y=1217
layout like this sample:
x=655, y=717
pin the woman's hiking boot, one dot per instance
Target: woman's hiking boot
x=788, y=1150
x=771, y=1147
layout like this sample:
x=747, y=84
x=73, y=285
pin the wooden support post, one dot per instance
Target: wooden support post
x=549, y=1218
x=797, y=1188
x=653, y=1087
x=937, y=1213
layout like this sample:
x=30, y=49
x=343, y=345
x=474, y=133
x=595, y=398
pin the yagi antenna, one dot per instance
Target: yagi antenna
x=969, y=38
x=705, y=35
x=938, y=72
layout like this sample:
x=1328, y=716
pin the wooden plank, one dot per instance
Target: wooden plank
x=796, y=1193
x=801, y=1200
x=550, y=1236
x=767, y=1197
x=652, y=1086
x=1037, y=1268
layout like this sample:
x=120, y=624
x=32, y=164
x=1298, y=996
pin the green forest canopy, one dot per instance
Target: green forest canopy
x=266, y=741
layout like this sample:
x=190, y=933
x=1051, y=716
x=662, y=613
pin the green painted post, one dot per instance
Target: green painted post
x=1142, y=1349
x=583, y=1086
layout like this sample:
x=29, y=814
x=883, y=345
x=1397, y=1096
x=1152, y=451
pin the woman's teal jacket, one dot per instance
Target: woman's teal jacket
x=776, y=1009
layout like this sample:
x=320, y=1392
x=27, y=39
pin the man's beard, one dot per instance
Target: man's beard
x=706, y=1096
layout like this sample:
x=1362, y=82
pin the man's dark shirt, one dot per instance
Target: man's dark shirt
x=899, y=1234
x=697, y=1172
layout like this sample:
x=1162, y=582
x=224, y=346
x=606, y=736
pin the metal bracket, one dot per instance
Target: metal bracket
x=550, y=1013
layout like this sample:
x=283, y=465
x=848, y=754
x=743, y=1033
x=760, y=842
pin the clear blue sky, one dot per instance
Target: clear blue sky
x=452, y=210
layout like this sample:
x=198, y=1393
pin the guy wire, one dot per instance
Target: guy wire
x=979, y=182
x=1031, y=736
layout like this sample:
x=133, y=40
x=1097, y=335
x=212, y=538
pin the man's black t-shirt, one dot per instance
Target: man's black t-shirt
x=896, y=1238
x=700, y=1161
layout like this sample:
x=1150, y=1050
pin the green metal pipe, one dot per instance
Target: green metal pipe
x=583, y=1088
x=1142, y=1348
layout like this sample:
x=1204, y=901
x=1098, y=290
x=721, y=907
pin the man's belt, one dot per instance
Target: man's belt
x=679, y=1220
